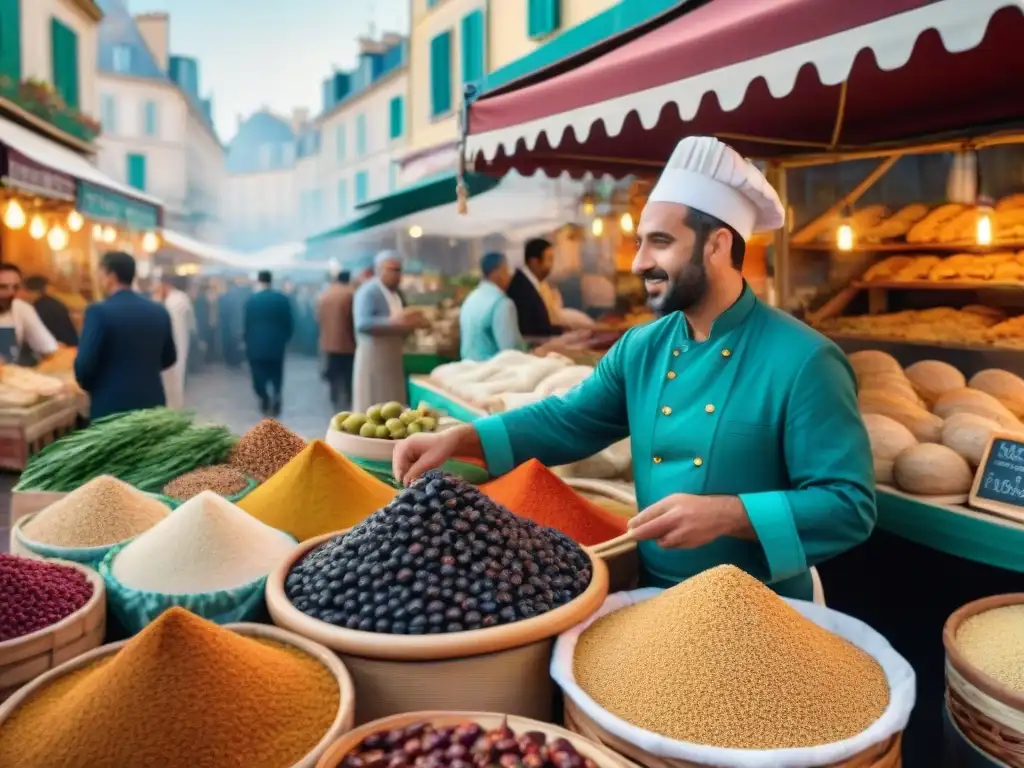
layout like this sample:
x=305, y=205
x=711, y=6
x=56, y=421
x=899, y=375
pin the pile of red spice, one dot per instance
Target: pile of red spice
x=535, y=492
x=35, y=594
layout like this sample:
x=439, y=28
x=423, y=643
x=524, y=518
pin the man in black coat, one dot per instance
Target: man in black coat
x=525, y=291
x=268, y=325
x=52, y=312
x=126, y=343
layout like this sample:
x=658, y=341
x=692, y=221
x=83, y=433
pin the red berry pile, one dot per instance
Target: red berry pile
x=35, y=594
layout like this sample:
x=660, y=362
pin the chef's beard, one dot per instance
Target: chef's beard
x=5, y=305
x=684, y=291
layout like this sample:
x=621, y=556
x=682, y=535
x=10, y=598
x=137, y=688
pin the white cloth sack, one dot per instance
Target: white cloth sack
x=899, y=674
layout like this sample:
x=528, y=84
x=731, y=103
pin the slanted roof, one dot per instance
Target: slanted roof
x=117, y=30
x=261, y=129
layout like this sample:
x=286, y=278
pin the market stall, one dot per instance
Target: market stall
x=872, y=119
x=454, y=633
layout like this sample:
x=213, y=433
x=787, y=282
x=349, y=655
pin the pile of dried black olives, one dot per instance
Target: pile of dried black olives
x=442, y=557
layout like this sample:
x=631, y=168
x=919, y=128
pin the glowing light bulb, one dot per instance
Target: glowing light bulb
x=597, y=227
x=14, y=216
x=150, y=242
x=109, y=234
x=97, y=232
x=75, y=221
x=588, y=207
x=37, y=229
x=844, y=237
x=626, y=223
x=57, y=238
x=415, y=232
x=983, y=228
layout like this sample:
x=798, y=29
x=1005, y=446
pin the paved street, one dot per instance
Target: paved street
x=225, y=395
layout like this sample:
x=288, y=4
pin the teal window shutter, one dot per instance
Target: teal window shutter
x=397, y=117
x=360, y=135
x=432, y=3
x=149, y=119
x=543, y=17
x=343, y=198
x=10, y=40
x=64, y=59
x=137, y=171
x=473, y=50
x=441, y=74
x=342, y=141
x=362, y=187
x=108, y=113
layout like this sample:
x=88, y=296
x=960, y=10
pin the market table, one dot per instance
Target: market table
x=922, y=563
x=423, y=390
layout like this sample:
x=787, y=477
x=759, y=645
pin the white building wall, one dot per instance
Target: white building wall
x=36, y=53
x=261, y=207
x=184, y=161
x=340, y=169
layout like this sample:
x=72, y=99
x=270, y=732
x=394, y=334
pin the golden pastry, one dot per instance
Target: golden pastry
x=926, y=229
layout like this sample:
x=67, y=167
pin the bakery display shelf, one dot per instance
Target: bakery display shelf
x=954, y=529
x=969, y=359
x=941, y=285
x=924, y=248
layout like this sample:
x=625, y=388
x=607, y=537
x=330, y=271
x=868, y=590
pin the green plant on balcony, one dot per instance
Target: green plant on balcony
x=41, y=99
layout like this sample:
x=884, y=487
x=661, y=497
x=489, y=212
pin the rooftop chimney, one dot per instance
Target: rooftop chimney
x=300, y=117
x=155, y=29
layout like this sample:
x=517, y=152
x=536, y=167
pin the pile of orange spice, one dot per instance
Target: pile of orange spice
x=533, y=491
x=184, y=693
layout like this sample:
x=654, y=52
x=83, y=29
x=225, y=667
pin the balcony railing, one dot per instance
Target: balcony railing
x=39, y=98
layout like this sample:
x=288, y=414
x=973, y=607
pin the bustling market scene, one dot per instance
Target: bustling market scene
x=512, y=384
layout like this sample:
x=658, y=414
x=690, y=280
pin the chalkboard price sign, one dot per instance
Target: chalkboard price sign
x=999, y=483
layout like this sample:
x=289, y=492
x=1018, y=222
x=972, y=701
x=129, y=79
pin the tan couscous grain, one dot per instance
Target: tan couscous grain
x=219, y=478
x=721, y=660
x=993, y=642
x=102, y=512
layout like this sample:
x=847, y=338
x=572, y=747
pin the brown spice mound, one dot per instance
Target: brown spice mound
x=723, y=661
x=222, y=479
x=266, y=448
x=184, y=693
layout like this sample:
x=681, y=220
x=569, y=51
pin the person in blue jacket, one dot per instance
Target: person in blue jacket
x=268, y=329
x=748, y=446
x=126, y=343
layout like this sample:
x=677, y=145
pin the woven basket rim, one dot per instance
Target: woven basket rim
x=99, y=593
x=953, y=701
x=452, y=645
x=348, y=741
x=346, y=687
x=986, y=684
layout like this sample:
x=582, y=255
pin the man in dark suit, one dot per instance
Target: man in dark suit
x=268, y=329
x=51, y=311
x=126, y=343
x=525, y=290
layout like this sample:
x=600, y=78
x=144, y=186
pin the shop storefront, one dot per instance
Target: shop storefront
x=868, y=116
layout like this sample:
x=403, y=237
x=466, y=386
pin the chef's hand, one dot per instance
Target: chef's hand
x=420, y=453
x=686, y=521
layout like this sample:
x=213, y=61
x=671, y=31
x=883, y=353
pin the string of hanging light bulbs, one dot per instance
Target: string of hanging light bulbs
x=58, y=235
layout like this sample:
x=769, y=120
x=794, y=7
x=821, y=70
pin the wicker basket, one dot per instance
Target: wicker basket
x=23, y=659
x=988, y=713
x=601, y=756
x=501, y=669
x=884, y=755
x=343, y=721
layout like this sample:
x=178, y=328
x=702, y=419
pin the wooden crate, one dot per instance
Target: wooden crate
x=26, y=431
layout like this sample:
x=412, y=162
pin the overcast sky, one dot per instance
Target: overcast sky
x=271, y=54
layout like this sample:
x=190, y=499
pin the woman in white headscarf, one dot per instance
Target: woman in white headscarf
x=179, y=306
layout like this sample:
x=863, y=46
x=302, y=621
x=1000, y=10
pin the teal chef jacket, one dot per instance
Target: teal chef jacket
x=765, y=409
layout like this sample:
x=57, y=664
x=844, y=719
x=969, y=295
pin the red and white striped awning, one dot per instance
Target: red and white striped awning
x=774, y=78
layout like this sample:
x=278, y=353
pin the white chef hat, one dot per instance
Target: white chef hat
x=712, y=177
x=385, y=256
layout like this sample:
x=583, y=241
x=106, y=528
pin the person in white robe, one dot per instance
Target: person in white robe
x=183, y=323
